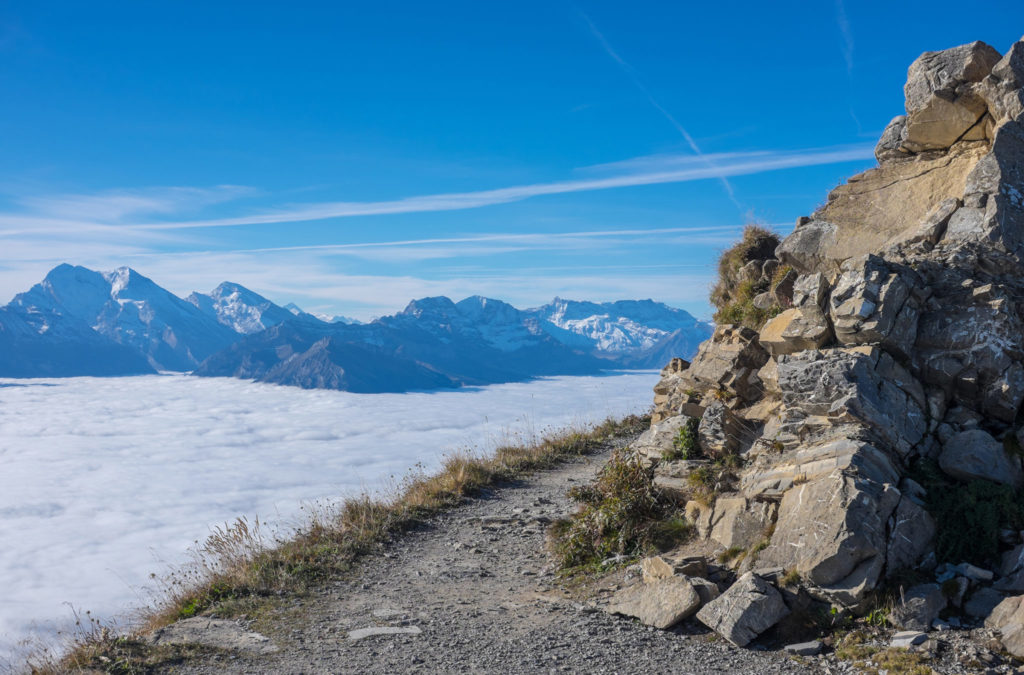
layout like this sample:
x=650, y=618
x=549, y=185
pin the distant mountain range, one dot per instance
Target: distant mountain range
x=81, y=322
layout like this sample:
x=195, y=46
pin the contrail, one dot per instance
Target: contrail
x=638, y=83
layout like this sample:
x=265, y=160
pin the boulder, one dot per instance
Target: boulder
x=795, y=330
x=727, y=362
x=918, y=608
x=879, y=206
x=748, y=608
x=1003, y=89
x=707, y=590
x=863, y=387
x=721, y=432
x=730, y=361
x=1013, y=560
x=659, y=439
x=654, y=568
x=889, y=146
x=833, y=531
x=1008, y=619
x=662, y=603
x=981, y=603
x=811, y=290
x=772, y=475
x=875, y=302
x=971, y=344
x=975, y=454
x=940, y=108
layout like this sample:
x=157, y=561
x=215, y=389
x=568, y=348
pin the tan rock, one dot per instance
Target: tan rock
x=833, y=531
x=795, y=330
x=1008, y=619
x=739, y=523
x=661, y=603
x=655, y=568
x=879, y=205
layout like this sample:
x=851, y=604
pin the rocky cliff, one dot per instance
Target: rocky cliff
x=889, y=379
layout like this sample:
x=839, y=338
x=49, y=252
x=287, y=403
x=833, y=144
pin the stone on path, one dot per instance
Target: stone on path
x=662, y=603
x=750, y=607
x=370, y=631
x=217, y=633
x=920, y=606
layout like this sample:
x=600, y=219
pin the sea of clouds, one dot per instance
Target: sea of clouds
x=105, y=481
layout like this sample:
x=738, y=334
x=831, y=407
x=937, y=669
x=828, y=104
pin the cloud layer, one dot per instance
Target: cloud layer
x=108, y=480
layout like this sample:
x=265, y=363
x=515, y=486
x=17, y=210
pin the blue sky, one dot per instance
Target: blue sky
x=351, y=156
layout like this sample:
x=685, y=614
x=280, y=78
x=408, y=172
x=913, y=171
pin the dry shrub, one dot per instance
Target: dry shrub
x=733, y=295
x=622, y=514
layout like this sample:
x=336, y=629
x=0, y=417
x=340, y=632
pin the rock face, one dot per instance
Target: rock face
x=902, y=342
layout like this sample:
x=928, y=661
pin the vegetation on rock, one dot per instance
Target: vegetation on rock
x=685, y=445
x=968, y=515
x=733, y=295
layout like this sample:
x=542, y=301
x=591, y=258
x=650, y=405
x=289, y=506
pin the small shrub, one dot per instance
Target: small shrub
x=621, y=514
x=685, y=445
x=731, y=553
x=968, y=516
x=791, y=578
x=732, y=296
x=703, y=481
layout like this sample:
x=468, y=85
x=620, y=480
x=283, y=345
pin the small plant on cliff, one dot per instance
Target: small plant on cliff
x=684, y=445
x=968, y=516
x=621, y=514
x=733, y=294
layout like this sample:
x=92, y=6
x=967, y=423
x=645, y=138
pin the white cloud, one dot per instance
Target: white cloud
x=100, y=213
x=108, y=480
x=734, y=164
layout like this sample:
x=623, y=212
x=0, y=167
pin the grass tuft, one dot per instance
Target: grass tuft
x=732, y=295
x=621, y=514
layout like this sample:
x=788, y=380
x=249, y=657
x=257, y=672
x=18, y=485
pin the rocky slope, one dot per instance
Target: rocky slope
x=889, y=384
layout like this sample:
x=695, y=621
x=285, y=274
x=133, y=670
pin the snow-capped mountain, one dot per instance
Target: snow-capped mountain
x=326, y=318
x=44, y=342
x=240, y=309
x=636, y=331
x=81, y=322
x=130, y=310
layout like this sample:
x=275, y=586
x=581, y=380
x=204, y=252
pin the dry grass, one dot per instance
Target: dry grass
x=622, y=515
x=239, y=565
x=732, y=295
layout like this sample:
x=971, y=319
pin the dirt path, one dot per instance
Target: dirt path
x=472, y=593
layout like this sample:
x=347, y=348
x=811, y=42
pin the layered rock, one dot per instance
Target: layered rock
x=902, y=339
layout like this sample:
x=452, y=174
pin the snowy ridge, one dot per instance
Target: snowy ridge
x=81, y=322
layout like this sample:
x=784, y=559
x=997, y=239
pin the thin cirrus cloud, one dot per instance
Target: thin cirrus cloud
x=673, y=169
x=118, y=212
